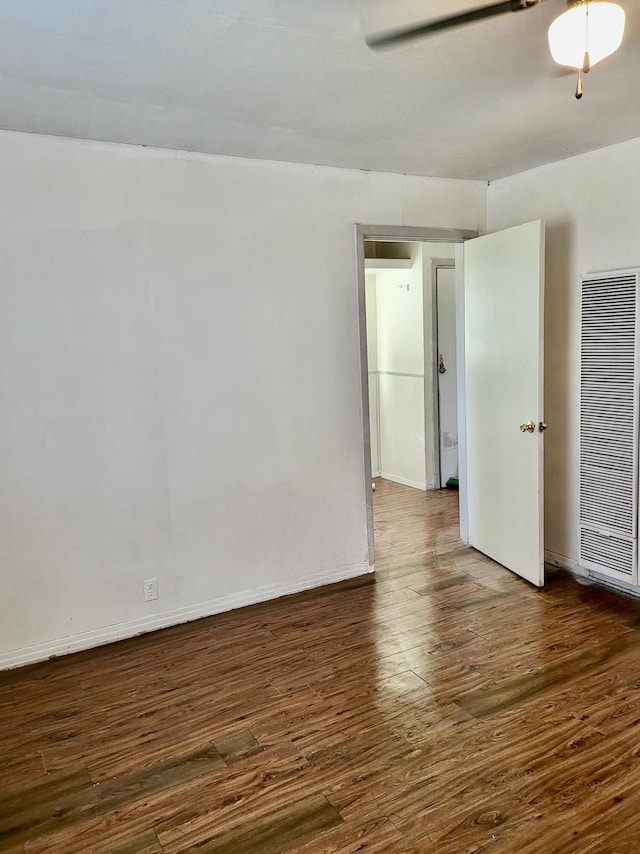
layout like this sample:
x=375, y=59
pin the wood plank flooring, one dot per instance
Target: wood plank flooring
x=446, y=706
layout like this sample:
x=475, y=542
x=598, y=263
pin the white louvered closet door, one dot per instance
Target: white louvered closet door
x=608, y=529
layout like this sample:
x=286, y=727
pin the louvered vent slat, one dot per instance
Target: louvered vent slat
x=608, y=553
x=608, y=425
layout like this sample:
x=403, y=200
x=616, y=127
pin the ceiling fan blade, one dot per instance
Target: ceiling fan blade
x=403, y=34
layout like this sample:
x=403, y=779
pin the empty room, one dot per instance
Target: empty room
x=319, y=414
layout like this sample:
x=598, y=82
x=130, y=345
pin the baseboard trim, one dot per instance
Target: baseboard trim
x=132, y=628
x=564, y=562
x=403, y=481
x=581, y=572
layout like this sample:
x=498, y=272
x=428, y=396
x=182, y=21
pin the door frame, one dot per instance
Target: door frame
x=436, y=264
x=409, y=234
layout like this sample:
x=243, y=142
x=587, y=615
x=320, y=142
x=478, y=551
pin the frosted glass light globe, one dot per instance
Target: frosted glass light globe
x=596, y=27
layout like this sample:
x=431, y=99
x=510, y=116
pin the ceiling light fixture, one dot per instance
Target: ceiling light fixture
x=588, y=32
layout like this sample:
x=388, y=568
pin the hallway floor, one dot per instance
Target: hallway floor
x=445, y=706
x=411, y=524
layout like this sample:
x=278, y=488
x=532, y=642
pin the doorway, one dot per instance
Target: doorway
x=499, y=367
x=407, y=291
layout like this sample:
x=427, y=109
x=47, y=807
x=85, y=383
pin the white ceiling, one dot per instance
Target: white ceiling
x=294, y=80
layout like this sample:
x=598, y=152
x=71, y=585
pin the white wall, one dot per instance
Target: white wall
x=167, y=408
x=400, y=324
x=399, y=300
x=591, y=207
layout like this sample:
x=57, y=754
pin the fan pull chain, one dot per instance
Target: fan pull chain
x=586, y=62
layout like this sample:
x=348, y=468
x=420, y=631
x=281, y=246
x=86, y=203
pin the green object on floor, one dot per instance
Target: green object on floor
x=452, y=483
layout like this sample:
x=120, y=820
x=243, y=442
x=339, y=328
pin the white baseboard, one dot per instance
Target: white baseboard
x=375, y=474
x=122, y=631
x=564, y=562
x=396, y=479
x=582, y=572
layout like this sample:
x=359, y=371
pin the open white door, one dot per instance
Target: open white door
x=503, y=319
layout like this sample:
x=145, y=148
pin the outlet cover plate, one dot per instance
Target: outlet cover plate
x=150, y=587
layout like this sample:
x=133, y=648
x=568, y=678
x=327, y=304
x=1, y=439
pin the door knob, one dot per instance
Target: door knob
x=529, y=427
x=542, y=426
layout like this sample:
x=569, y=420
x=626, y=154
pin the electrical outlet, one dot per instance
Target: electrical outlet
x=150, y=589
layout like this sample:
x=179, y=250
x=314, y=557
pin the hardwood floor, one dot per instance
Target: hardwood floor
x=445, y=707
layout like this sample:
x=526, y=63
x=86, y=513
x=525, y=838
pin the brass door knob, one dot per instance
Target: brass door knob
x=529, y=427
x=542, y=426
